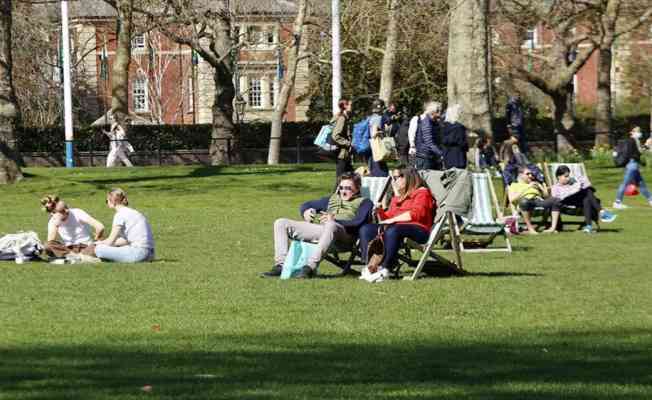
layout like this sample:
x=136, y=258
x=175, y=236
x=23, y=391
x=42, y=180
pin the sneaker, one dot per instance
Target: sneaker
x=275, y=272
x=607, y=217
x=587, y=229
x=619, y=206
x=305, y=273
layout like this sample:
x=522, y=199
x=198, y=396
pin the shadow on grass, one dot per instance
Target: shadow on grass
x=591, y=365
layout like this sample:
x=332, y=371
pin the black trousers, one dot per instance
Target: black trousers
x=590, y=204
x=342, y=166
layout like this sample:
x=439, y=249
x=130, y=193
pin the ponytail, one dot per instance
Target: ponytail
x=118, y=196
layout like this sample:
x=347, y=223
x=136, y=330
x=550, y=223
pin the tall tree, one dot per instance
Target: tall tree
x=9, y=170
x=206, y=28
x=468, y=63
x=613, y=19
x=120, y=73
x=389, y=55
x=293, y=56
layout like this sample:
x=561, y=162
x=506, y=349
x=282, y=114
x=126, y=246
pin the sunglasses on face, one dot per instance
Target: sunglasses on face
x=346, y=188
x=396, y=177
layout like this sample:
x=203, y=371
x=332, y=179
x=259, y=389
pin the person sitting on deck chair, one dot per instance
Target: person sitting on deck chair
x=579, y=192
x=530, y=194
x=410, y=215
x=337, y=217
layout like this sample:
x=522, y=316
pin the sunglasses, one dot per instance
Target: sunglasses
x=348, y=188
x=396, y=177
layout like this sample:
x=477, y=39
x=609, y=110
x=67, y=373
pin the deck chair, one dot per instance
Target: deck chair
x=375, y=189
x=483, y=221
x=576, y=170
x=539, y=215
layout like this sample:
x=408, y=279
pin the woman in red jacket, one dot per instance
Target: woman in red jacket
x=410, y=215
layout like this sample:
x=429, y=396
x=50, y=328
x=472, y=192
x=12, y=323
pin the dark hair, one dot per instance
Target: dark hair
x=342, y=105
x=357, y=180
x=413, y=181
x=562, y=170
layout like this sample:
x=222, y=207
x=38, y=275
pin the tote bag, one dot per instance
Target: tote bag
x=382, y=148
x=297, y=257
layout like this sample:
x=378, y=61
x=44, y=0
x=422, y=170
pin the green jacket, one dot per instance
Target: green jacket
x=342, y=136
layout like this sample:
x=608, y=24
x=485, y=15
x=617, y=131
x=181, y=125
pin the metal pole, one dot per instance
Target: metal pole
x=337, y=63
x=67, y=97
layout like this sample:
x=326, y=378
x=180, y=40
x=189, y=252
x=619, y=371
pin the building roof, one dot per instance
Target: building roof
x=100, y=9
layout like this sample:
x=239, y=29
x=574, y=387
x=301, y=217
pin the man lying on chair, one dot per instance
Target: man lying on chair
x=332, y=218
x=530, y=194
x=410, y=215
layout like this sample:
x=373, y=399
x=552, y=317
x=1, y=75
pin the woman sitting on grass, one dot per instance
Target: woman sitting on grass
x=410, y=215
x=578, y=192
x=131, y=238
x=71, y=225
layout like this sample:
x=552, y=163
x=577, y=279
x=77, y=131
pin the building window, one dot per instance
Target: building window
x=138, y=42
x=255, y=93
x=272, y=93
x=191, y=95
x=261, y=35
x=531, y=39
x=141, y=103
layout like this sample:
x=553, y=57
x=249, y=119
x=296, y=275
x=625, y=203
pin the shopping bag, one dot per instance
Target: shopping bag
x=297, y=257
x=322, y=138
x=378, y=150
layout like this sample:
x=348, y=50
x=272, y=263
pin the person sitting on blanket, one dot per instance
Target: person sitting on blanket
x=71, y=225
x=410, y=215
x=337, y=217
x=579, y=192
x=530, y=194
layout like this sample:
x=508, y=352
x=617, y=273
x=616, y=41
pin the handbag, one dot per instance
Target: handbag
x=297, y=257
x=631, y=189
x=382, y=148
x=376, y=252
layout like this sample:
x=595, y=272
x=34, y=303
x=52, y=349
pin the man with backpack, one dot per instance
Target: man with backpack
x=628, y=155
x=427, y=137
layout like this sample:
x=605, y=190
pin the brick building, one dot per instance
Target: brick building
x=169, y=84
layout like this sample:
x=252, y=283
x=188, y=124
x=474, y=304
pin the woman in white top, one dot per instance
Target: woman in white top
x=71, y=226
x=131, y=238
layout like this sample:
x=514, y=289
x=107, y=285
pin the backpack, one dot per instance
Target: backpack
x=620, y=158
x=361, y=137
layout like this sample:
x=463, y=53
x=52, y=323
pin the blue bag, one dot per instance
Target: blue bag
x=361, y=135
x=324, y=134
x=297, y=257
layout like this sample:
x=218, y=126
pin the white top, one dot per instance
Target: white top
x=75, y=229
x=135, y=227
x=412, y=131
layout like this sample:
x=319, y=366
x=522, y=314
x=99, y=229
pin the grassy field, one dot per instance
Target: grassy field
x=564, y=316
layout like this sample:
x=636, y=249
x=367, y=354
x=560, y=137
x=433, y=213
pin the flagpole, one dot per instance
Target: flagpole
x=337, y=63
x=67, y=95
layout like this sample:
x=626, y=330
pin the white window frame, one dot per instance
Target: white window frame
x=534, y=42
x=255, y=92
x=273, y=92
x=262, y=34
x=140, y=95
x=138, y=42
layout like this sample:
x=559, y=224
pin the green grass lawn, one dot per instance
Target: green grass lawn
x=565, y=316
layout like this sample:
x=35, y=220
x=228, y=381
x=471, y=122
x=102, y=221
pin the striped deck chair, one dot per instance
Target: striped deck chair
x=485, y=217
x=373, y=188
x=576, y=170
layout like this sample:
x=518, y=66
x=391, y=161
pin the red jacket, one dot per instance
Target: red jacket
x=420, y=204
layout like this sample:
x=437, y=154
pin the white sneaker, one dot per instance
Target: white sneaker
x=619, y=206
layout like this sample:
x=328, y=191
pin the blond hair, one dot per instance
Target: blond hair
x=118, y=196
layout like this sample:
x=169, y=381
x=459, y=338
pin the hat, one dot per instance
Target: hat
x=377, y=106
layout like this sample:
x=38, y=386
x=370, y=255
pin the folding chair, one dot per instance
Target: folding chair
x=482, y=221
x=538, y=211
x=576, y=170
x=374, y=189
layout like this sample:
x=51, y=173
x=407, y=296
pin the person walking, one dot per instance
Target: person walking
x=118, y=147
x=632, y=170
x=428, y=154
x=516, y=121
x=454, y=141
x=342, y=138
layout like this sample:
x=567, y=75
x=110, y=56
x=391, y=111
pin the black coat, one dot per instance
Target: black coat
x=455, y=145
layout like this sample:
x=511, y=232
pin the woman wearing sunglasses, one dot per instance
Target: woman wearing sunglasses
x=71, y=225
x=332, y=218
x=410, y=215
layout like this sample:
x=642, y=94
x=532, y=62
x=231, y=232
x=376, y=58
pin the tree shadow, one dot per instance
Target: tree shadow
x=571, y=365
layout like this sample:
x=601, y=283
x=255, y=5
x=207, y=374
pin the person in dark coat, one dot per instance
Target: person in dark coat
x=516, y=121
x=428, y=137
x=454, y=140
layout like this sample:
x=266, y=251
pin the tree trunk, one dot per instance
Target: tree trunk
x=603, y=108
x=293, y=56
x=563, y=122
x=468, y=83
x=9, y=170
x=120, y=73
x=389, y=57
x=224, y=147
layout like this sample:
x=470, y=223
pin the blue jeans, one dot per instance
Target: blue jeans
x=124, y=254
x=392, y=239
x=633, y=175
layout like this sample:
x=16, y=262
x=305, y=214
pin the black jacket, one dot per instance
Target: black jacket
x=631, y=150
x=455, y=145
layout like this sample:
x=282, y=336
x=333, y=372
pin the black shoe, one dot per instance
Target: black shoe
x=305, y=273
x=275, y=272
